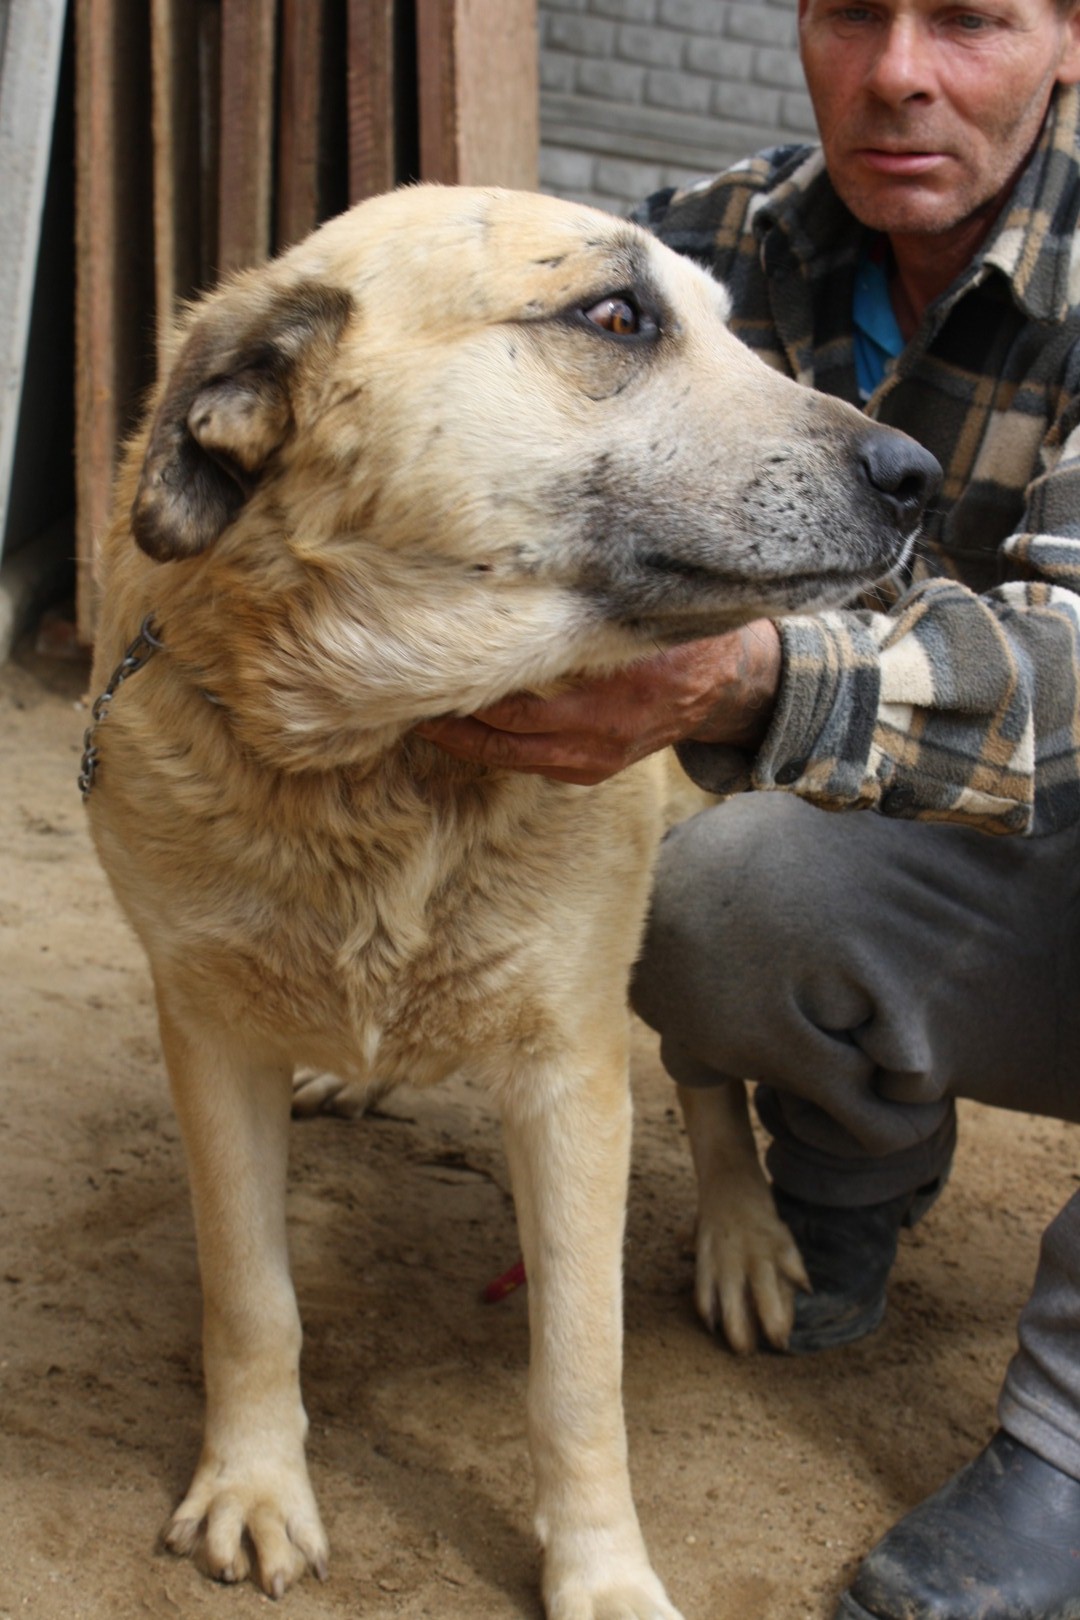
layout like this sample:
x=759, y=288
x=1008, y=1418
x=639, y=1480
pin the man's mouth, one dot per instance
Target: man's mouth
x=902, y=163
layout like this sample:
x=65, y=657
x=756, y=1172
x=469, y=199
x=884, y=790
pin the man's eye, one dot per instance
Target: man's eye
x=617, y=315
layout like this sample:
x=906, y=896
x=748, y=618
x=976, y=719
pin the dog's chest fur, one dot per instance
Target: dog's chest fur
x=390, y=921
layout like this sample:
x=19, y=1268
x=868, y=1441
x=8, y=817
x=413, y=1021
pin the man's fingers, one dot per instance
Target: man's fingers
x=461, y=736
x=564, y=759
x=465, y=737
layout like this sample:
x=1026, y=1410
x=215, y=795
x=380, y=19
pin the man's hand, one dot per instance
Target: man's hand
x=717, y=691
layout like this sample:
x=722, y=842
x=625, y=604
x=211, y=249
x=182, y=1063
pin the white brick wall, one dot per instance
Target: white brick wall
x=638, y=94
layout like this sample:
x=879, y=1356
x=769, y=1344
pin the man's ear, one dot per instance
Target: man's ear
x=225, y=410
x=1069, y=66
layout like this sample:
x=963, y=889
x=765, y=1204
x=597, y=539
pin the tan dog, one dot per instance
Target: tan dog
x=454, y=444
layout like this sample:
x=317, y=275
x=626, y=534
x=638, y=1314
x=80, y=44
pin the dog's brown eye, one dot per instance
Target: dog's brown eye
x=617, y=315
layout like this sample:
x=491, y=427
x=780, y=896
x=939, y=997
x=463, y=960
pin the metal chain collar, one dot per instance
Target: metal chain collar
x=142, y=649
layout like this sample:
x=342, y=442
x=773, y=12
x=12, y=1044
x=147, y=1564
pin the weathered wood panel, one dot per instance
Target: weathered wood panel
x=372, y=113
x=114, y=290
x=247, y=128
x=479, y=118
x=175, y=115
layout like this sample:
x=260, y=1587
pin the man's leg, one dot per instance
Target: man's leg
x=869, y=972
x=1001, y=1539
x=1041, y=1395
x=866, y=972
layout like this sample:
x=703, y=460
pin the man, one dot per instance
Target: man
x=870, y=969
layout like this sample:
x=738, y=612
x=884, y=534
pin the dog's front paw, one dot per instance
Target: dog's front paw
x=588, y=1580
x=643, y=1598
x=257, y=1520
x=747, y=1268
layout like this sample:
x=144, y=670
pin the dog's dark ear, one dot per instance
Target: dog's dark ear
x=226, y=408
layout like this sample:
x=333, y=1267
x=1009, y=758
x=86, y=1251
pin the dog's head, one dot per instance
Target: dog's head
x=480, y=439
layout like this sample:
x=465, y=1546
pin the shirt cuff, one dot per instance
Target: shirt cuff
x=820, y=739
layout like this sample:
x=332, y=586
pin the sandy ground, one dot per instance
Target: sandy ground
x=759, y=1482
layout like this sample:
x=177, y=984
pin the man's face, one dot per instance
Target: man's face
x=927, y=109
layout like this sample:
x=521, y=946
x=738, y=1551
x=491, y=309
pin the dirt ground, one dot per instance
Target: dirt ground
x=759, y=1482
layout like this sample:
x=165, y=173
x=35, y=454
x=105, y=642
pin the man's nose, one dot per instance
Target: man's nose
x=904, y=66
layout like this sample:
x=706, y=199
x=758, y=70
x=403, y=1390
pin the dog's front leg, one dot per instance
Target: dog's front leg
x=568, y=1148
x=251, y=1492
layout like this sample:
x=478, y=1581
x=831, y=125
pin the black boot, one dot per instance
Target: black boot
x=1000, y=1541
x=848, y=1254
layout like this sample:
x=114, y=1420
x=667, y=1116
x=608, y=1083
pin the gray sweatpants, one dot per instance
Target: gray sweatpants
x=867, y=972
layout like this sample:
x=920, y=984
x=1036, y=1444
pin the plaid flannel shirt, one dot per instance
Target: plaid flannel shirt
x=928, y=699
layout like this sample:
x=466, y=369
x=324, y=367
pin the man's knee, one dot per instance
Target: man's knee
x=737, y=887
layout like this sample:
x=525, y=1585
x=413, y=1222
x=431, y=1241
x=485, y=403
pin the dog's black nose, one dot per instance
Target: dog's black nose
x=900, y=472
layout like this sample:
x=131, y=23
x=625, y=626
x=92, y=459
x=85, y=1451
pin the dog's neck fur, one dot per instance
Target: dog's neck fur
x=384, y=759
